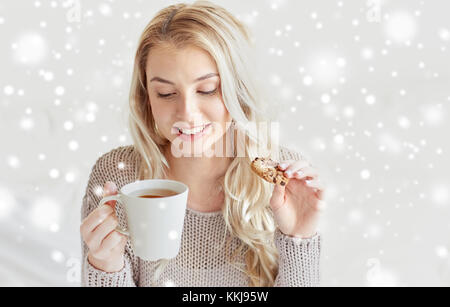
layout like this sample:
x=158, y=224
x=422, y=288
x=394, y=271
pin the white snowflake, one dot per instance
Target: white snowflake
x=54, y=173
x=365, y=174
x=30, y=49
x=441, y=251
x=8, y=90
x=401, y=27
x=173, y=235
x=13, y=162
x=59, y=90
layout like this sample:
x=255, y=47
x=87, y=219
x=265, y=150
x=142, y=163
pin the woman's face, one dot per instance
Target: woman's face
x=185, y=93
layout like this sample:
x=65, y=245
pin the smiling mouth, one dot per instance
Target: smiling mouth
x=192, y=131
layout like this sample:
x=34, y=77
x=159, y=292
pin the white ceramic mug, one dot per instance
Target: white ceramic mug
x=154, y=224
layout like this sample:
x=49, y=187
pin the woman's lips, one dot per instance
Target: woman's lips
x=193, y=137
x=192, y=128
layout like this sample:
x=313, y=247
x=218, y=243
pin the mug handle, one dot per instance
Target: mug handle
x=116, y=198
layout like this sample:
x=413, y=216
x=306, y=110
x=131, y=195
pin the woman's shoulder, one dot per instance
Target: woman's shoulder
x=119, y=165
x=119, y=154
x=117, y=158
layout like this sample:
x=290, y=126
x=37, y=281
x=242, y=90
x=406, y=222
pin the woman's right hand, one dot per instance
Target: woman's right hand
x=106, y=246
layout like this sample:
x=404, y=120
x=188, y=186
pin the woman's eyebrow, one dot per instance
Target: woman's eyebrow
x=158, y=79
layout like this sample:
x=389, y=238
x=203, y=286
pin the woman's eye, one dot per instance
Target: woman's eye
x=209, y=93
x=164, y=95
x=202, y=93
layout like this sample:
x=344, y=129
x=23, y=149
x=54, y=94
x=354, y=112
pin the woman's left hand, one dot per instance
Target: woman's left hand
x=297, y=205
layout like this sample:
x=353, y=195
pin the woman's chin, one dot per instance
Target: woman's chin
x=191, y=149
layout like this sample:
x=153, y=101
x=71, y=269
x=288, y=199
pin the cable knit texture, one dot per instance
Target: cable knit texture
x=202, y=260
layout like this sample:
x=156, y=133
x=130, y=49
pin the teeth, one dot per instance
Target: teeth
x=193, y=131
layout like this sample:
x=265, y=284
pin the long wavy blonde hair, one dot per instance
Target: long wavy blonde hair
x=246, y=209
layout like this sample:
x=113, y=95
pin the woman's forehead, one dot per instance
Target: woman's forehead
x=193, y=64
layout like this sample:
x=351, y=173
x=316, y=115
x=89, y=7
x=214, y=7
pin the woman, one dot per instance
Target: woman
x=191, y=78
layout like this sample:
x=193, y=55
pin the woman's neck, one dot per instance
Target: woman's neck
x=200, y=171
x=197, y=170
x=203, y=176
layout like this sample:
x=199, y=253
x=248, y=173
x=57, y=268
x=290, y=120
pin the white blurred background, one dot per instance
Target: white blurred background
x=362, y=89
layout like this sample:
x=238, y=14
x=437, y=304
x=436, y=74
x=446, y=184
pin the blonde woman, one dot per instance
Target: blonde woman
x=192, y=88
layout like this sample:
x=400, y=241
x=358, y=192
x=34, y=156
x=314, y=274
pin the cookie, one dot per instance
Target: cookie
x=268, y=170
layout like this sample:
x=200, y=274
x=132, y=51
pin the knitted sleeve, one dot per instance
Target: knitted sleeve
x=299, y=258
x=299, y=261
x=106, y=169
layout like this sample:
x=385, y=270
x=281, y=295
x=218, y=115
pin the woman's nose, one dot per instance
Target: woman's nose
x=187, y=106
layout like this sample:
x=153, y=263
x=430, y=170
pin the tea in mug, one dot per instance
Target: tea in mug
x=155, y=193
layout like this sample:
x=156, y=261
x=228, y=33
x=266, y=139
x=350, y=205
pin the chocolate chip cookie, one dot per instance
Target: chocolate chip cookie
x=269, y=171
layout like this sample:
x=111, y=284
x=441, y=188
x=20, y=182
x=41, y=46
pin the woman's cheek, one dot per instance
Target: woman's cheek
x=219, y=111
x=161, y=114
x=224, y=122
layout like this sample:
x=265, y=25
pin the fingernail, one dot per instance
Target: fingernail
x=283, y=165
x=289, y=173
x=299, y=173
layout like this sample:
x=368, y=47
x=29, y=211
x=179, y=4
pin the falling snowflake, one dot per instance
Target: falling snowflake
x=44, y=212
x=370, y=99
x=173, y=235
x=13, y=162
x=8, y=90
x=30, y=49
x=57, y=256
x=401, y=27
x=73, y=145
x=365, y=174
x=68, y=125
x=441, y=251
x=59, y=91
x=54, y=173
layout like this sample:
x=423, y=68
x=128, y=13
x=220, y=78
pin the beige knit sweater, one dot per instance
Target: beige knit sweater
x=201, y=261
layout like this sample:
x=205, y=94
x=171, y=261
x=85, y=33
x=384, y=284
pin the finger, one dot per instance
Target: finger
x=314, y=184
x=305, y=172
x=319, y=194
x=110, y=188
x=297, y=165
x=102, y=231
x=104, y=250
x=95, y=218
x=121, y=246
x=111, y=241
x=285, y=163
x=318, y=186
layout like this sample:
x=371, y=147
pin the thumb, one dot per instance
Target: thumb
x=277, y=199
x=109, y=189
